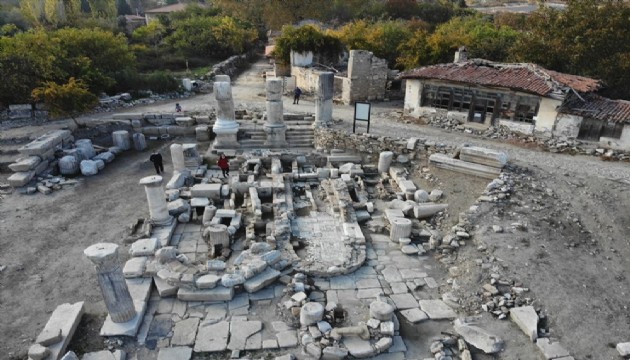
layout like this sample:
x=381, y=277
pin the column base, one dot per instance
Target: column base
x=129, y=328
x=276, y=136
x=226, y=141
x=163, y=222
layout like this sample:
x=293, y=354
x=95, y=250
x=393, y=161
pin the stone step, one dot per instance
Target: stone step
x=304, y=137
x=299, y=123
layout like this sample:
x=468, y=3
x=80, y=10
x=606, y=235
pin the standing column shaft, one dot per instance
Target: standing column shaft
x=323, y=100
x=121, y=139
x=384, y=161
x=177, y=156
x=112, y=282
x=156, y=199
x=275, y=126
x=225, y=127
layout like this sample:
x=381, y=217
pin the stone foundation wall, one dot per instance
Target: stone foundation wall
x=368, y=77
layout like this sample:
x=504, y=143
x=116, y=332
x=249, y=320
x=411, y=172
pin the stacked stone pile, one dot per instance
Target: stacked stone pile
x=37, y=156
x=556, y=145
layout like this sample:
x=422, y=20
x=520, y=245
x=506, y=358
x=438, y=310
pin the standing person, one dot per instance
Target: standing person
x=296, y=95
x=224, y=165
x=178, y=108
x=156, y=159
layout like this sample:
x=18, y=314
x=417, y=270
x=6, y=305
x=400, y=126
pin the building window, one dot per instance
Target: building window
x=612, y=130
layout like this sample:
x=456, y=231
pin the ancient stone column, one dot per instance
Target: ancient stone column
x=121, y=139
x=112, y=282
x=384, y=161
x=225, y=127
x=156, y=199
x=324, y=99
x=177, y=157
x=86, y=148
x=275, y=126
x=139, y=142
x=400, y=228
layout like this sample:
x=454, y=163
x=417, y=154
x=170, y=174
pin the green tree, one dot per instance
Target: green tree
x=306, y=38
x=27, y=60
x=69, y=99
x=50, y=13
x=585, y=39
x=151, y=34
x=94, y=55
x=482, y=38
x=211, y=37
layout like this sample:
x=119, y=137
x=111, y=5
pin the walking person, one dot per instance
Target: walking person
x=178, y=108
x=156, y=159
x=296, y=95
x=224, y=165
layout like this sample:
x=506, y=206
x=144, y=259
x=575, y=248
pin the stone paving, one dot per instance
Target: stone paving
x=323, y=233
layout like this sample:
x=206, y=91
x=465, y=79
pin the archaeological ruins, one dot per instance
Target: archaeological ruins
x=318, y=245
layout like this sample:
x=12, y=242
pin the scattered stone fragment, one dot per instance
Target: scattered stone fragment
x=38, y=352
x=381, y=310
x=623, y=349
x=551, y=350
x=526, y=319
x=480, y=338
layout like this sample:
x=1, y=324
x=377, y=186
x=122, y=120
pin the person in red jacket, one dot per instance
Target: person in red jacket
x=224, y=165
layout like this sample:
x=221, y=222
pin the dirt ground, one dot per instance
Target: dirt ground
x=573, y=255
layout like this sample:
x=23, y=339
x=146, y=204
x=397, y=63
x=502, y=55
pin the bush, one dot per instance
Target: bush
x=160, y=82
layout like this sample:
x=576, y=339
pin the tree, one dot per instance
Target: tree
x=70, y=99
x=303, y=39
x=27, y=60
x=482, y=38
x=50, y=13
x=123, y=8
x=585, y=39
x=94, y=55
x=211, y=37
x=150, y=34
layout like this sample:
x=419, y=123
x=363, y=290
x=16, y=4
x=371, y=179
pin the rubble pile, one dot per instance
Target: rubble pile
x=555, y=145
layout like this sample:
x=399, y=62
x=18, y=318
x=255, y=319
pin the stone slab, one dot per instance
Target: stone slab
x=65, y=317
x=144, y=247
x=27, y=163
x=129, y=328
x=551, y=350
x=623, y=349
x=21, y=178
x=212, y=337
x=480, y=338
x=219, y=293
x=261, y=280
x=415, y=315
x=287, y=339
x=240, y=331
x=105, y=355
x=165, y=289
x=526, y=319
x=134, y=267
x=210, y=191
x=404, y=301
x=437, y=310
x=185, y=331
x=140, y=288
x=359, y=348
x=175, y=353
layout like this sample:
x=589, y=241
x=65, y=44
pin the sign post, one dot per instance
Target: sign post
x=361, y=113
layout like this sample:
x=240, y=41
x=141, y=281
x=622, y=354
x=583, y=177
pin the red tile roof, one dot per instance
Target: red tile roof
x=525, y=77
x=597, y=107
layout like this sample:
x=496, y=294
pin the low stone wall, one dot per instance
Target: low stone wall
x=233, y=66
x=373, y=145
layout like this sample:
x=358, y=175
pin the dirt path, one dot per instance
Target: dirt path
x=577, y=273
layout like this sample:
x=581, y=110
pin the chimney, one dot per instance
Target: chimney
x=461, y=55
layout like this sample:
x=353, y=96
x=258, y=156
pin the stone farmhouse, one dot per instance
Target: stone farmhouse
x=526, y=98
